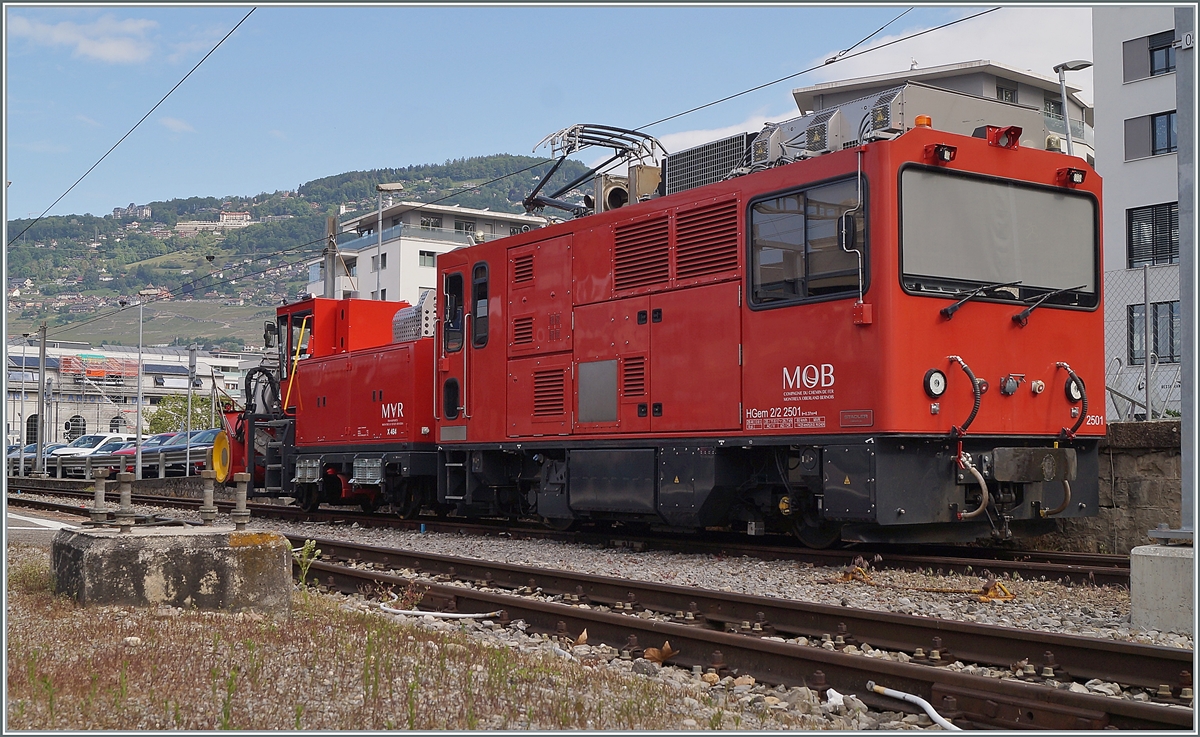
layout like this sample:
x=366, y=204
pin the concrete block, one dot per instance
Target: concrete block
x=185, y=567
x=1162, y=584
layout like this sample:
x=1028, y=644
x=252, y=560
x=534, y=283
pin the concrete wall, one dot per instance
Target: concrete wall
x=1139, y=488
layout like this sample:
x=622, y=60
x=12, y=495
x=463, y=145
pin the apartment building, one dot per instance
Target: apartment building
x=414, y=233
x=1134, y=49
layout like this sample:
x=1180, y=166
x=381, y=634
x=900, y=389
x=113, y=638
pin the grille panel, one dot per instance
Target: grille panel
x=641, y=255
x=523, y=268
x=633, y=378
x=706, y=240
x=706, y=164
x=549, y=393
x=522, y=330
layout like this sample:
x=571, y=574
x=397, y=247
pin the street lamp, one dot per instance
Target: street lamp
x=380, y=189
x=1062, y=69
x=137, y=463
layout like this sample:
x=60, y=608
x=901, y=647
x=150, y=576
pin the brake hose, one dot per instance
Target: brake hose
x=1066, y=500
x=1083, y=393
x=964, y=460
x=955, y=430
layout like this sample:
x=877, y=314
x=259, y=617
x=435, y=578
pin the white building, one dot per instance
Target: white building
x=414, y=234
x=1135, y=153
x=981, y=78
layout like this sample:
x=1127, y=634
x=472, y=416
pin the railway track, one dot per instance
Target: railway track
x=565, y=604
x=1079, y=568
x=760, y=636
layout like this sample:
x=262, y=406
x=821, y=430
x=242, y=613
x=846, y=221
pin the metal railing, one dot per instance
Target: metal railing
x=1142, y=372
x=85, y=466
x=350, y=241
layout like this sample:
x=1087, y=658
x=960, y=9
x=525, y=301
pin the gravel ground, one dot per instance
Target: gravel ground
x=337, y=662
x=1039, y=605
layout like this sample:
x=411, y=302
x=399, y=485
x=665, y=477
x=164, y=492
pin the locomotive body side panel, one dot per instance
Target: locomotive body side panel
x=616, y=332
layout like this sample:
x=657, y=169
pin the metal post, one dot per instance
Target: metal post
x=1185, y=103
x=124, y=514
x=240, y=514
x=330, y=254
x=137, y=463
x=187, y=466
x=379, y=241
x=38, y=462
x=1062, y=86
x=99, y=512
x=1146, y=337
x=24, y=384
x=208, y=512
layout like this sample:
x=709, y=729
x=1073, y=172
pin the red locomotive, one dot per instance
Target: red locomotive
x=888, y=342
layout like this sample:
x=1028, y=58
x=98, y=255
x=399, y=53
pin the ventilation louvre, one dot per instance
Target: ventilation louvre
x=706, y=240
x=549, y=393
x=633, y=377
x=522, y=330
x=641, y=255
x=523, y=268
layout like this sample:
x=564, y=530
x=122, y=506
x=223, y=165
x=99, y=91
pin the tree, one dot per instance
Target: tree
x=170, y=414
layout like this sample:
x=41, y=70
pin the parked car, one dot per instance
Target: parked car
x=87, y=444
x=150, y=447
x=30, y=452
x=201, y=441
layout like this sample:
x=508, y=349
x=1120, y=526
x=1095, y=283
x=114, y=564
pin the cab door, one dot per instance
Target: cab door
x=451, y=409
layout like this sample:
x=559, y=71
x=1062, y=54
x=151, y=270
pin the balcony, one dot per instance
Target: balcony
x=1079, y=132
x=352, y=241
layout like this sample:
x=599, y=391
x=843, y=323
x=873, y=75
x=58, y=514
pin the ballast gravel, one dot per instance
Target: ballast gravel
x=1048, y=606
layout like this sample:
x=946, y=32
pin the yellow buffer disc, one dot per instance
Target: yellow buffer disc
x=222, y=459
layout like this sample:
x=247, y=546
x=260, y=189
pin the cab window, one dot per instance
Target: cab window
x=479, y=305
x=452, y=320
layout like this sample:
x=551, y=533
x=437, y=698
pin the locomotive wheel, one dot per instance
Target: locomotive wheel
x=818, y=537
x=559, y=525
x=369, y=506
x=309, y=500
x=408, y=501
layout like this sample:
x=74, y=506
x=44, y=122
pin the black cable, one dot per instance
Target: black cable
x=131, y=130
x=839, y=54
x=812, y=69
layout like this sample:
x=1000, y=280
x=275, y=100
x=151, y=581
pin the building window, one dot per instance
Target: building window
x=1164, y=332
x=517, y=229
x=1163, y=133
x=1006, y=90
x=382, y=261
x=1162, y=53
x=1053, y=107
x=464, y=226
x=431, y=222
x=1153, y=235
x=31, y=424
x=116, y=424
x=76, y=427
x=383, y=294
x=374, y=263
x=427, y=258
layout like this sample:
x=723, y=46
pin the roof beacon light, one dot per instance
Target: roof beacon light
x=1006, y=137
x=1071, y=176
x=941, y=153
x=923, y=121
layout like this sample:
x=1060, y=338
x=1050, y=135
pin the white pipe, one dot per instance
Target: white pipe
x=438, y=615
x=983, y=501
x=912, y=699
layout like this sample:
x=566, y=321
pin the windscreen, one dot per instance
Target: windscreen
x=961, y=232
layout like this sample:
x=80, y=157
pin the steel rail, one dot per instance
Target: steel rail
x=1085, y=568
x=1083, y=658
x=973, y=700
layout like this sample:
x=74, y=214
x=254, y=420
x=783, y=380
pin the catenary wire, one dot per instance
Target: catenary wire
x=814, y=68
x=131, y=130
x=864, y=39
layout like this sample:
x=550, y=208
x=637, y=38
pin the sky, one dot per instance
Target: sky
x=302, y=92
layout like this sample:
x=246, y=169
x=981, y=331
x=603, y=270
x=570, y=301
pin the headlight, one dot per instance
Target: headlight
x=935, y=383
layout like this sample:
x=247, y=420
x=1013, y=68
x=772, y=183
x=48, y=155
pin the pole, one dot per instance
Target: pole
x=1146, y=336
x=187, y=468
x=38, y=461
x=1185, y=102
x=1062, y=86
x=379, y=242
x=330, y=254
x=24, y=383
x=137, y=463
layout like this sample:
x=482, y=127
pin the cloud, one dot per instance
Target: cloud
x=176, y=125
x=45, y=147
x=107, y=39
x=190, y=50
x=1028, y=38
x=88, y=120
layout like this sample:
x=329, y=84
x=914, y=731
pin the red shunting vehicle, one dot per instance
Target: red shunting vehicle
x=890, y=342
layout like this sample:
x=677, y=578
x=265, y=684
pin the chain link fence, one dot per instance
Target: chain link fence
x=1141, y=318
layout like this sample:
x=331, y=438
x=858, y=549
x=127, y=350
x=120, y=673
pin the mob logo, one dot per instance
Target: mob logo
x=811, y=376
x=393, y=411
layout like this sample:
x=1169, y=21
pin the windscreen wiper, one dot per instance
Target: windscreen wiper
x=948, y=312
x=1022, y=317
